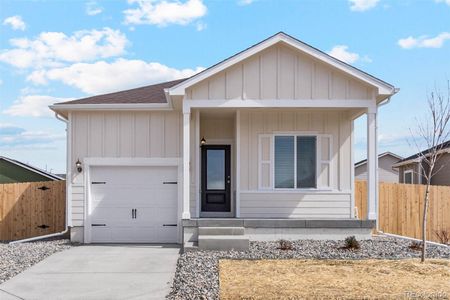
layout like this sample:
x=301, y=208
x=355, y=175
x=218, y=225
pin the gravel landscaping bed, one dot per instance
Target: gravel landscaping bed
x=15, y=258
x=197, y=272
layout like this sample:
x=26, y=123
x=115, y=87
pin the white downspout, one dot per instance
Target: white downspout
x=66, y=227
x=376, y=162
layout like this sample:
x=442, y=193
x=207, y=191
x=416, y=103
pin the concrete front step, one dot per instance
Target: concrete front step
x=223, y=242
x=221, y=230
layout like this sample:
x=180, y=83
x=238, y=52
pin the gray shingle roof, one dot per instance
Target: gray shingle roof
x=146, y=94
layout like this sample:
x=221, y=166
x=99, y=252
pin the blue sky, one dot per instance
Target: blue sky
x=57, y=50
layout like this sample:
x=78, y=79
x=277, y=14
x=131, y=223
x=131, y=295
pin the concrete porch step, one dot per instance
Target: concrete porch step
x=221, y=230
x=190, y=246
x=223, y=242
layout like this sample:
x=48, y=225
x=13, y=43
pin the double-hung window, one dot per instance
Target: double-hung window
x=295, y=161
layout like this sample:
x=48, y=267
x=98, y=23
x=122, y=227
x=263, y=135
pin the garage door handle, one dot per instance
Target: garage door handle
x=98, y=182
x=170, y=182
x=170, y=225
x=98, y=225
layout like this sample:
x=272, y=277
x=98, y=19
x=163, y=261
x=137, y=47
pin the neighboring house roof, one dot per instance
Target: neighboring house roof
x=364, y=161
x=146, y=94
x=415, y=158
x=32, y=169
x=385, y=89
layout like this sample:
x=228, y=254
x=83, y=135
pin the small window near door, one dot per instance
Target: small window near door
x=295, y=162
x=408, y=177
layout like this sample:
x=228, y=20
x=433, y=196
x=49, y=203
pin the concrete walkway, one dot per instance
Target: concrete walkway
x=98, y=272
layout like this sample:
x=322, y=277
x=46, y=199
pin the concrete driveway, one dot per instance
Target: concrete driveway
x=98, y=272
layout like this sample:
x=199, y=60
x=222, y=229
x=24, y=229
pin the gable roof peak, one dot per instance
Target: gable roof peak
x=384, y=89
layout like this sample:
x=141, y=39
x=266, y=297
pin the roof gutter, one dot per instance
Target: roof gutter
x=117, y=106
x=61, y=118
x=388, y=99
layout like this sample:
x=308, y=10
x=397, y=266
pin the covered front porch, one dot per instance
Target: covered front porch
x=235, y=166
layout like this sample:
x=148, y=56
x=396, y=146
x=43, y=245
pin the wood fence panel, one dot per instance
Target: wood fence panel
x=25, y=207
x=401, y=208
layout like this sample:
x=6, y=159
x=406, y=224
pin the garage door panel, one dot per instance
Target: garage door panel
x=155, y=217
x=167, y=234
x=135, y=175
x=101, y=234
x=123, y=234
x=152, y=191
x=112, y=216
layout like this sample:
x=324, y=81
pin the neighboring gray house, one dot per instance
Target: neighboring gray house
x=386, y=173
x=411, y=172
x=260, y=142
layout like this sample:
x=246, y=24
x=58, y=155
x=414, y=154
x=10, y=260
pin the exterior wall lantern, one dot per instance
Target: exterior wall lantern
x=202, y=141
x=78, y=165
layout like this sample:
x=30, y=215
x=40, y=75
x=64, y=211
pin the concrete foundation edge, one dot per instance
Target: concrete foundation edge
x=77, y=234
x=273, y=234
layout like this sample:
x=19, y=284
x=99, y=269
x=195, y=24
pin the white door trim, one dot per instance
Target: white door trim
x=230, y=214
x=130, y=162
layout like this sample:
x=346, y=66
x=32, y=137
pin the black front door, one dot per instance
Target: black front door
x=216, y=178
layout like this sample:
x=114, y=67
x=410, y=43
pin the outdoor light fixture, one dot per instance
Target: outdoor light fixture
x=203, y=141
x=78, y=165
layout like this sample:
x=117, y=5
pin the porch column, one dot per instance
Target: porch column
x=372, y=157
x=186, y=162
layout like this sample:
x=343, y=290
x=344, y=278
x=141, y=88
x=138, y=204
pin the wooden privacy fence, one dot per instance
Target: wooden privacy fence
x=401, y=208
x=31, y=209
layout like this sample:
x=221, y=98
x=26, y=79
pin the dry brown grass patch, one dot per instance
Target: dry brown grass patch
x=332, y=279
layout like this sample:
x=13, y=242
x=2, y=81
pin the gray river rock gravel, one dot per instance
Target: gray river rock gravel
x=197, y=272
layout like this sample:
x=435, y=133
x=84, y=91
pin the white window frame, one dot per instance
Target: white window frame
x=412, y=176
x=295, y=135
x=262, y=162
x=326, y=161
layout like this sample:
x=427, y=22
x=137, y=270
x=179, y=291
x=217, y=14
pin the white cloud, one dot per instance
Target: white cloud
x=443, y=1
x=163, y=13
x=341, y=52
x=14, y=137
x=245, y=2
x=55, y=48
x=33, y=106
x=201, y=26
x=102, y=77
x=362, y=5
x=93, y=8
x=10, y=129
x=15, y=22
x=424, y=41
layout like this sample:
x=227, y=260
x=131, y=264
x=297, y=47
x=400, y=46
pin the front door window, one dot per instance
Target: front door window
x=216, y=178
x=215, y=169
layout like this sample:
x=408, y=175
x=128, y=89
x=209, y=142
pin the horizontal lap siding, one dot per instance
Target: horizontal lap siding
x=335, y=204
x=120, y=134
x=295, y=205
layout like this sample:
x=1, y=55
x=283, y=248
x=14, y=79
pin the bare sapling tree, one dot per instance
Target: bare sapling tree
x=433, y=133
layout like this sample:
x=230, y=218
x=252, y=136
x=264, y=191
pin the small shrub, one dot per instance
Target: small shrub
x=443, y=236
x=351, y=243
x=417, y=246
x=285, y=245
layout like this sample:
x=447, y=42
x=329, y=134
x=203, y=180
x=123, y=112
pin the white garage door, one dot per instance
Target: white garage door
x=133, y=204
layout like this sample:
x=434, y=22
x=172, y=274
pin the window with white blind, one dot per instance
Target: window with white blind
x=295, y=161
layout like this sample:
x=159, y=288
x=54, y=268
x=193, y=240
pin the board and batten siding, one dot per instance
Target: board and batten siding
x=120, y=134
x=280, y=72
x=331, y=202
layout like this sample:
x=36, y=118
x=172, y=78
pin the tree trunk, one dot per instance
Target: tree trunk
x=424, y=223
